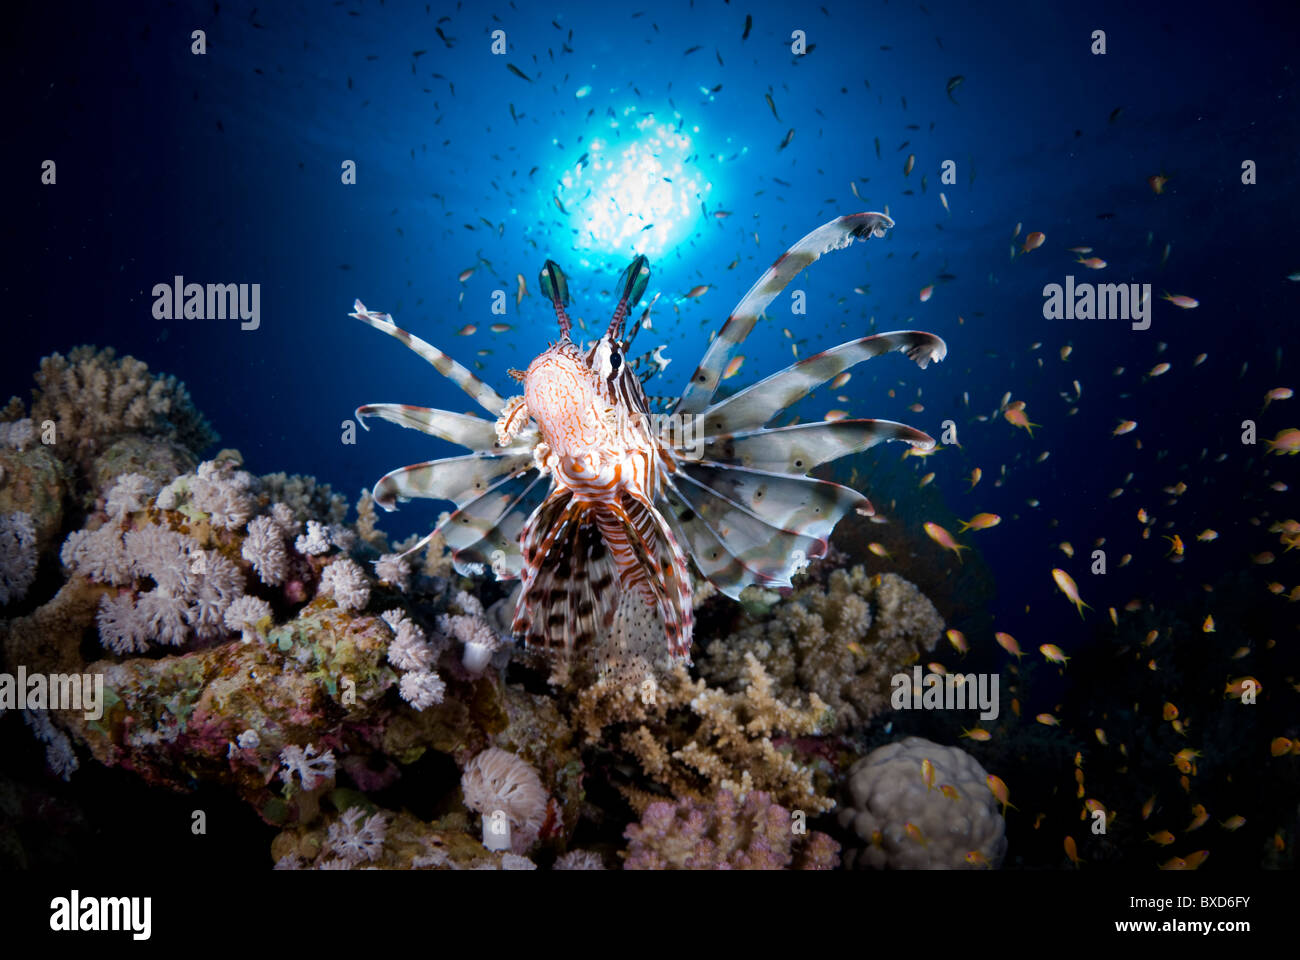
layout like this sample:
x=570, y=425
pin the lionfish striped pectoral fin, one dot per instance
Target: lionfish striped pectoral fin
x=836, y=235
x=757, y=404
x=484, y=395
x=748, y=527
x=458, y=428
x=798, y=449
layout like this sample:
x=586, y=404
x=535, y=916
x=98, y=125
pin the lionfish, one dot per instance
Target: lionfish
x=597, y=505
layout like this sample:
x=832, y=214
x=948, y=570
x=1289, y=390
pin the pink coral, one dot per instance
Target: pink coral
x=725, y=835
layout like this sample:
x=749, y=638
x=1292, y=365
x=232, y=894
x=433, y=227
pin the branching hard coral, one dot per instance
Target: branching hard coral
x=696, y=740
x=955, y=821
x=94, y=397
x=843, y=642
x=17, y=556
x=724, y=834
x=366, y=525
x=346, y=582
x=304, y=497
x=497, y=783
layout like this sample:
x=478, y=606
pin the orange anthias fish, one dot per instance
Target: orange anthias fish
x=1033, y=241
x=1053, y=653
x=943, y=538
x=1000, y=791
x=1277, y=393
x=981, y=521
x=1287, y=442
x=1178, y=300
x=1008, y=643
x=597, y=508
x=1015, y=415
x=1068, y=587
x=1157, y=183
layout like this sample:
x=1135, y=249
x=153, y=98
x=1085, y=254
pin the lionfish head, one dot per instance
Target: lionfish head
x=605, y=358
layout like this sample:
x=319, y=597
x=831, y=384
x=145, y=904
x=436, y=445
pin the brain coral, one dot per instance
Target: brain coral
x=959, y=828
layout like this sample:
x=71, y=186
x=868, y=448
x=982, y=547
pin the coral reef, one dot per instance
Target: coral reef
x=842, y=641
x=368, y=703
x=726, y=834
x=93, y=397
x=951, y=823
x=695, y=740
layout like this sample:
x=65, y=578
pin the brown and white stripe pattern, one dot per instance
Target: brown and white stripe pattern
x=836, y=235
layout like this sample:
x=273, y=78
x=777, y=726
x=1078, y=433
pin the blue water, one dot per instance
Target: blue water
x=226, y=167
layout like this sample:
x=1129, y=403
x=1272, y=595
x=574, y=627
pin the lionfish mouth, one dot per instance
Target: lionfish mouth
x=607, y=513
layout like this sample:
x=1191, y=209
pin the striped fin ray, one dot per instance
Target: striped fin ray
x=836, y=235
x=484, y=395
x=732, y=546
x=799, y=448
x=477, y=527
x=563, y=555
x=462, y=429
x=459, y=428
x=803, y=505
x=662, y=575
x=458, y=479
x=524, y=492
x=760, y=402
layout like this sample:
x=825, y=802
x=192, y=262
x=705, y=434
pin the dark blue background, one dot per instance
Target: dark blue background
x=226, y=168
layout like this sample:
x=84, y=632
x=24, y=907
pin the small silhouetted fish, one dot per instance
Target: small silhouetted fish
x=690, y=50
x=749, y=22
x=788, y=137
x=1114, y=114
x=953, y=84
x=518, y=73
x=780, y=181
x=1105, y=216
x=648, y=226
x=345, y=266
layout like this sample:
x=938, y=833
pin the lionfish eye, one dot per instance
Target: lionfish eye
x=615, y=360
